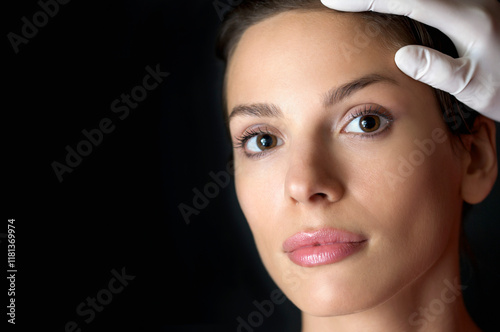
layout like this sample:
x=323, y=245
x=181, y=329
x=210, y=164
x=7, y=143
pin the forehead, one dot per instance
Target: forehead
x=303, y=52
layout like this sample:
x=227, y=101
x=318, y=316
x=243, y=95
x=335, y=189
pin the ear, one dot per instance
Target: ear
x=480, y=162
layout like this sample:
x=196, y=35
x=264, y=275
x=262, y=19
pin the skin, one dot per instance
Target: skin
x=320, y=176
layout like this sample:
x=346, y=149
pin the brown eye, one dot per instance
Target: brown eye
x=259, y=141
x=266, y=141
x=369, y=123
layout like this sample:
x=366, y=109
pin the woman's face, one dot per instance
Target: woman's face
x=373, y=158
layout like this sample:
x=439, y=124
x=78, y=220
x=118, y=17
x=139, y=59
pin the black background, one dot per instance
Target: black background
x=119, y=207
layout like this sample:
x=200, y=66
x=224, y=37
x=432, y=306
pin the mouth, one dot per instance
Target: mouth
x=321, y=247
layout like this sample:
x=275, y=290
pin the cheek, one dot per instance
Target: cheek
x=410, y=192
x=260, y=193
x=404, y=193
x=411, y=223
x=253, y=190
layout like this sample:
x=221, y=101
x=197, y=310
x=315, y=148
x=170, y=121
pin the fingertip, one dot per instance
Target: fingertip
x=327, y=3
x=347, y=6
x=399, y=57
x=410, y=58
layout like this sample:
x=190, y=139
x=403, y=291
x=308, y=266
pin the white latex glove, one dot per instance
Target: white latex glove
x=474, y=28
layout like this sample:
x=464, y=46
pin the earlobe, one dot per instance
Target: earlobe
x=481, y=168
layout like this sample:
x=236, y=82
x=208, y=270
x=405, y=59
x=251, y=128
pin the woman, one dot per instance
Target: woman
x=350, y=177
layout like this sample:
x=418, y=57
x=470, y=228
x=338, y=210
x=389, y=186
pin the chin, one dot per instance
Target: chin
x=338, y=289
x=324, y=296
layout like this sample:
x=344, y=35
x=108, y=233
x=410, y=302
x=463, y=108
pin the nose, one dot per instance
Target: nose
x=313, y=177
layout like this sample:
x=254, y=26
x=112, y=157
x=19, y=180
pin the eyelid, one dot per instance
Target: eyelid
x=253, y=131
x=366, y=109
x=240, y=141
x=253, y=141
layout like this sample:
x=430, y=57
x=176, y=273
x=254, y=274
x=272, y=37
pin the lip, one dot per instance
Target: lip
x=321, y=247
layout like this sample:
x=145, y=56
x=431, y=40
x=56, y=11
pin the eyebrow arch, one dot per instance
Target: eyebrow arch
x=261, y=110
x=333, y=96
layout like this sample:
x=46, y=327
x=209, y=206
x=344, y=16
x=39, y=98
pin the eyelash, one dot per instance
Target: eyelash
x=368, y=110
x=248, y=134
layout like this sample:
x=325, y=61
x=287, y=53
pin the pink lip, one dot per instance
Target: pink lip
x=324, y=246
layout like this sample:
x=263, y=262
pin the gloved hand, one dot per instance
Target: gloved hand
x=474, y=28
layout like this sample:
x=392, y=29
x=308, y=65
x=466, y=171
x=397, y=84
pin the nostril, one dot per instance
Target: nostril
x=318, y=197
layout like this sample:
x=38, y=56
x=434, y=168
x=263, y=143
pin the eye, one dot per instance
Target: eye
x=366, y=124
x=369, y=121
x=256, y=142
x=262, y=142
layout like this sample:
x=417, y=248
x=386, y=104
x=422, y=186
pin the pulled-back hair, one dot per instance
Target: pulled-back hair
x=397, y=31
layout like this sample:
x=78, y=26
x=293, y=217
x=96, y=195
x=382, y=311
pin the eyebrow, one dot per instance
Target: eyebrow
x=333, y=96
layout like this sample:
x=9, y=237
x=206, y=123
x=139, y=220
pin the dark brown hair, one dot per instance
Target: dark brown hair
x=398, y=31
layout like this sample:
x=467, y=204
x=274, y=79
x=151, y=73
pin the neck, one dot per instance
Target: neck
x=433, y=302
